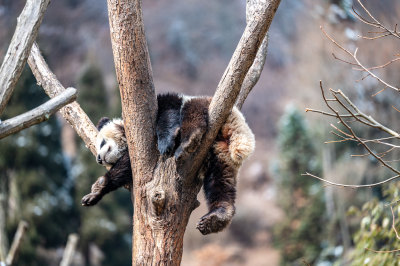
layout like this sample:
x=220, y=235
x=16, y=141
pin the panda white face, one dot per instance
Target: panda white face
x=111, y=143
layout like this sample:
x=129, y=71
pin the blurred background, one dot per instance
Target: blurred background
x=282, y=218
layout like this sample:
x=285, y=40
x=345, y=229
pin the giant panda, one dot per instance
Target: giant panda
x=181, y=123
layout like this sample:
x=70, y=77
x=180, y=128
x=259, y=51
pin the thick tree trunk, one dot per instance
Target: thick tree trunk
x=165, y=190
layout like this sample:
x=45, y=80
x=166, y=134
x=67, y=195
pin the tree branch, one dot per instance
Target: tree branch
x=18, y=51
x=69, y=250
x=229, y=87
x=22, y=227
x=254, y=73
x=73, y=112
x=38, y=114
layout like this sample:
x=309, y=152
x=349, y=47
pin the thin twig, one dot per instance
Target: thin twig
x=351, y=186
x=383, y=251
x=358, y=63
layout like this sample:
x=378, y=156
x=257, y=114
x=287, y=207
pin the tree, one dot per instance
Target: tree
x=379, y=142
x=162, y=187
x=164, y=191
x=300, y=233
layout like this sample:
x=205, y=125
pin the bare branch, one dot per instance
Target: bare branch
x=357, y=113
x=358, y=63
x=20, y=46
x=73, y=112
x=229, y=87
x=22, y=227
x=383, y=251
x=376, y=23
x=394, y=224
x=38, y=114
x=243, y=57
x=372, y=74
x=381, y=66
x=69, y=250
x=351, y=186
x=254, y=73
x=372, y=122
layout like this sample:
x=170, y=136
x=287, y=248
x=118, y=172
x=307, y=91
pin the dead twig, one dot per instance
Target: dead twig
x=22, y=227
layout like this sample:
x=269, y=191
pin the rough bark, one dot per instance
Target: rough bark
x=73, y=112
x=165, y=191
x=139, y=108
x=38, y=114
x=20, y=46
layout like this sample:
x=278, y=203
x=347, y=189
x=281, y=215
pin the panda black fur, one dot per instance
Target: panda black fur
x=181, y=123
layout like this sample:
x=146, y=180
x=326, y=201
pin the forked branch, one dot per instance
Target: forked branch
x=372, y=21
x=254, y=73
x=231, y=83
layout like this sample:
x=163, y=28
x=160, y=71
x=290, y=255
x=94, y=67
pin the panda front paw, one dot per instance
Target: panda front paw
x=215, y=221
x=91, y=199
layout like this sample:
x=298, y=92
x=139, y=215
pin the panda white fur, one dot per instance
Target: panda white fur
x=181, y=123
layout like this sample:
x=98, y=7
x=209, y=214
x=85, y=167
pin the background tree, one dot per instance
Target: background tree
x=302, y=231
x=379, y=142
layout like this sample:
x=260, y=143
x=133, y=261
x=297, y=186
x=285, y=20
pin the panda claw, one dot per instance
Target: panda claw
x=214, y=221
x=90, y=199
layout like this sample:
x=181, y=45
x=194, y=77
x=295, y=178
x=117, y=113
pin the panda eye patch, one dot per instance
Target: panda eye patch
x=102, y=143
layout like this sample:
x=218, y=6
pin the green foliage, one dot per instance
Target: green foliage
x=33, y=159
x=300, y=234
x=376, y=231
x=50, y=185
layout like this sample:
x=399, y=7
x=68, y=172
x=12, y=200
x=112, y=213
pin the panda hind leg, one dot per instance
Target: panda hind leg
x=220, y=192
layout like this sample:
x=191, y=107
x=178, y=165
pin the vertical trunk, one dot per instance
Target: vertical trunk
x=161, y=202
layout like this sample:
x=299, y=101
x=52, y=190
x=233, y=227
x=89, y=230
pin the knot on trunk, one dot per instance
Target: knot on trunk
x=158, y=200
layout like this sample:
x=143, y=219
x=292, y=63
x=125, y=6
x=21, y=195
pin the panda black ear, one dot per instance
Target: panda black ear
x=102, y=122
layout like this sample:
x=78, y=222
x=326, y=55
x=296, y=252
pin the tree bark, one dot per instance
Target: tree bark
x=165, y=191
x=18, y=51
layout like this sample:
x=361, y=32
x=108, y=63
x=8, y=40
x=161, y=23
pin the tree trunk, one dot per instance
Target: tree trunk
x=165, y=190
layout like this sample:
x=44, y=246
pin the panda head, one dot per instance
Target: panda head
x=111, y=141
